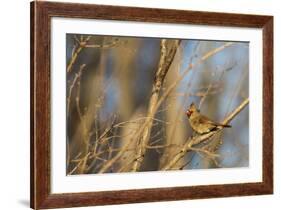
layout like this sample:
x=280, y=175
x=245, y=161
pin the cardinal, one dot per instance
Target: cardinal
x=200, y=123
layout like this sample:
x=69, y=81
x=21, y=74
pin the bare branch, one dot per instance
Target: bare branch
x=168, y=51
x=76, y=53
x=75, y=80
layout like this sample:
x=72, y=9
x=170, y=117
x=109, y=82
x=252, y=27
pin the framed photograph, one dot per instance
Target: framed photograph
x=140, y=105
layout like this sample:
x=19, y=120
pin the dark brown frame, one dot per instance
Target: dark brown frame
x=41, y=14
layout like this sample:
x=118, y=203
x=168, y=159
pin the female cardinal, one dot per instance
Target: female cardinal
x=200, y=123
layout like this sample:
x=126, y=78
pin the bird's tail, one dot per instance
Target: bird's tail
x=226, y=126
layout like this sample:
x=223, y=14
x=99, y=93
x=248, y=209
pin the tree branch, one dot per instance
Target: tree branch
x=76, y=53
x=168, y=51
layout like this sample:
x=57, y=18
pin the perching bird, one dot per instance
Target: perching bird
x=201, y=124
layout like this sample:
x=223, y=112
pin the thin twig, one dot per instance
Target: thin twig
x=75, y=80
x=76, y=53
x=161, y=146
x=205, y=151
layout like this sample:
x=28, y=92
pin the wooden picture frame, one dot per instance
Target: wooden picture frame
x=41, y=14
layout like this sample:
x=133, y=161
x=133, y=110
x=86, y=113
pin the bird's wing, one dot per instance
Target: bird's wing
x=206, y=120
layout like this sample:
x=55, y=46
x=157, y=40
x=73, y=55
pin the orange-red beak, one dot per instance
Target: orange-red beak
x=188, y=113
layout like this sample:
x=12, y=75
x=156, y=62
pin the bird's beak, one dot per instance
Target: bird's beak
x=188, y=113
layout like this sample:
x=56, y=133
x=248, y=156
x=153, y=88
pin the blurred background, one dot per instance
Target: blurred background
x=110, y=83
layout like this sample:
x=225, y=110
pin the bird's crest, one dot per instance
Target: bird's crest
x=192, y=108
